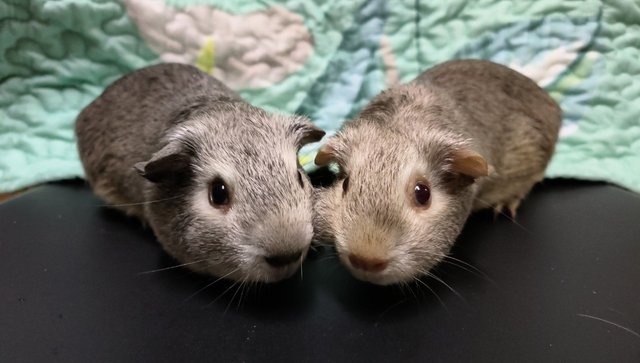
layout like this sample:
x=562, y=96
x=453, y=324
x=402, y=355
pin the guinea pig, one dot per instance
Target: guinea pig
x=215, y=178
x=420, y=157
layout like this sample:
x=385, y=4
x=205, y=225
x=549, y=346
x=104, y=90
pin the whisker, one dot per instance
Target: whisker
x=453, y=263
x=398, y=287
x=248, y=285
x=412, y=292
x=258, y=287
x=321, y=244
x=224, y=292
x=432, y=291
x=208, y=285
x=461, y=264
x=472, y=269
x=253, y=288
x=447, y=257
x=326, y=258
x=611, y=323
x=141, y=203
x=234, y=296
x=387, y=310
x=331, y=253
x=444, y=283
x=301, y=275
x=243, y=286
x=506, y=215
x=171, y=267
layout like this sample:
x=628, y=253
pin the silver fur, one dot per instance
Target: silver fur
x=176, y=110
x=413, y=130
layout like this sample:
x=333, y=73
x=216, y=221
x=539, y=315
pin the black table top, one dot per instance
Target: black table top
x=561, y=285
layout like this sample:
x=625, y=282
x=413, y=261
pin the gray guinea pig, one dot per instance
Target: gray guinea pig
x=420, y=157
x=217, y=179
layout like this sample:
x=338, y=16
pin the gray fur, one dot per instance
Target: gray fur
x=207, y=131
x=414, y=129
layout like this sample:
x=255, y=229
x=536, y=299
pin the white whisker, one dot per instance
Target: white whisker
x=444, y=283
x=506, y=215
x=472, y=269
x=223, y=293
x=406, y=285
x=447, y=257
x=432, y=291
x=208, y=285
x=611, y=323
x=326, y=258
x=387, y=310
x=141, y=203
x=171, y=267
x=301, y=275
x=244, y=285
x=234, y=296
x=320, y=244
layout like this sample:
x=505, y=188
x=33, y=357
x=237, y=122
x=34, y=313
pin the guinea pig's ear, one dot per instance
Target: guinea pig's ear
x=469, y=163
x=325, y=155
x=165, y=165
x=305, y=132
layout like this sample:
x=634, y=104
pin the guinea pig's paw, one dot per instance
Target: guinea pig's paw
x=511, y=206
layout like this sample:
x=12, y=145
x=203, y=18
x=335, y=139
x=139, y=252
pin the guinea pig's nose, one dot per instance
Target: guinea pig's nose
x=367, y=264
x=283, y=259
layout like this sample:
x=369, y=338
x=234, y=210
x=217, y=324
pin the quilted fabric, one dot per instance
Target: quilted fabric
x=321, y=58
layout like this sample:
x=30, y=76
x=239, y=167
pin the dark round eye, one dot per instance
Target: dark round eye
x=345, y=185
x=218, y=193
x=422, y=194
x=300, y=177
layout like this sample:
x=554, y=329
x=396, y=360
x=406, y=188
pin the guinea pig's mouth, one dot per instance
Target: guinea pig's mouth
x=252, y=272
x=376, y=277
x=273, y=268
x=390, y=275
x=275, y=274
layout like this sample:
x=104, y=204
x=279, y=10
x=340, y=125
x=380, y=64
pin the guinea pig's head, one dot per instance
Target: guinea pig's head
x=235, y=201
x=399, y=201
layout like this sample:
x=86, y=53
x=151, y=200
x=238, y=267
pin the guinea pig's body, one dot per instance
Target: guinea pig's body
x=215, y=178
x=464, y=135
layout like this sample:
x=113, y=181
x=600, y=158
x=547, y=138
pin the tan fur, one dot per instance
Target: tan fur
x=470, y=163
x=479, y=133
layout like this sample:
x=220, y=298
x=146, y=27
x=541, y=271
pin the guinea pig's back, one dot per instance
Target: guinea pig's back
x=497, y=97
x=514, y=121
x=124, y=125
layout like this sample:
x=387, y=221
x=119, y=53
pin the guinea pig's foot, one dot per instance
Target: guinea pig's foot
x=511, y=206
x=497, y=210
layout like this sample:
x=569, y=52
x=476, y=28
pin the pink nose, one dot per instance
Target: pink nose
x=367, y=264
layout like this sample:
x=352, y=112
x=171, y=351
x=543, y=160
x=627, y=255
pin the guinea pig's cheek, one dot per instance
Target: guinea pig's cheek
x=439, y=202
x=249, y=261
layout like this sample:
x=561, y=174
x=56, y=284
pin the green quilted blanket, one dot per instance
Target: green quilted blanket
x=321, y=58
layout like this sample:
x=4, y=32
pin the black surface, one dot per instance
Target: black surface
x=71, y=290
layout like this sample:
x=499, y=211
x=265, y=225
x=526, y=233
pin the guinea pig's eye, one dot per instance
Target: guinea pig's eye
x=300, y=177
x=218, y=193
x=345, y=185
x=422, y=194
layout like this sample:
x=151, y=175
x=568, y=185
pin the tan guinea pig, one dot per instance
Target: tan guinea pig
x=464, y=135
